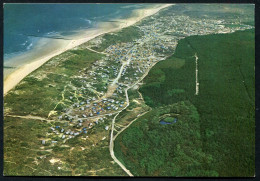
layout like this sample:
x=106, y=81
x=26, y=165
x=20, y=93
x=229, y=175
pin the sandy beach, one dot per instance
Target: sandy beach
x=35, y=62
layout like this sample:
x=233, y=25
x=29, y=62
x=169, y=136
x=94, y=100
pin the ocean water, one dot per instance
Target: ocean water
x=26, y=24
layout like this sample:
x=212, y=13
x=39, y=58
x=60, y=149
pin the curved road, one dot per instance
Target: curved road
x=112, y=139
x=111, y=146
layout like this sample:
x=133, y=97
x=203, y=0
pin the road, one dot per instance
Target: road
x=129, y=124
x=197, y=82
x=112, y=139
x=111, y=146
x=123, y=66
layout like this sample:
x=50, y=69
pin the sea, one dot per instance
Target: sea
x=26, y=24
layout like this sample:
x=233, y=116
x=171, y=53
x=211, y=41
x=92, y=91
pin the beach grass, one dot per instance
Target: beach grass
x=125, y=35
x=39, y=92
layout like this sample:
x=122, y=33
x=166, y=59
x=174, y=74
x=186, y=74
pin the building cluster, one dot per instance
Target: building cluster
x=92, y=98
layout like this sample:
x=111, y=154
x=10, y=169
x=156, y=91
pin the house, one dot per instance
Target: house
x=43, y=142
x=53, y=141
x=106, y=128
x=62, y=130
x=63, y=136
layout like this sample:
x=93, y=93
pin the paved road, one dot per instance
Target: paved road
x=129, y=124
x=111, y=146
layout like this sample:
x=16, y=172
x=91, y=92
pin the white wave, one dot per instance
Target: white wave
x=87, y=20
x=24, y=43
x=55, y=33
x=29, y=47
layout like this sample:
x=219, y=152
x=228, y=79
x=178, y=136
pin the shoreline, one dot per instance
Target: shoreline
x=16, y=76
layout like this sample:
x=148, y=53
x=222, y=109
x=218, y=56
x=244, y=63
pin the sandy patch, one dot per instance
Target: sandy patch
x=54, y=160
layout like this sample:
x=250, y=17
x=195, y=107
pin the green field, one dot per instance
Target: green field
x=225, y=107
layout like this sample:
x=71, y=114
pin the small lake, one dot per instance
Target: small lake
x=165, y=122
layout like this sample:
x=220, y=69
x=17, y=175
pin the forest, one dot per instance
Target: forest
x=149, y=148
x=225, y=106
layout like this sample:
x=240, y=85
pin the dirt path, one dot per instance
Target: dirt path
x=33, y=117
x=96, y=51
x=197, y=81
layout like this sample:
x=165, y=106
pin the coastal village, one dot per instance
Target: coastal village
x=99, y=93
x=90, y=108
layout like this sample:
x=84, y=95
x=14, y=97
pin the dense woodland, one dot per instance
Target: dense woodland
x=150, y=148
x=225, y=106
